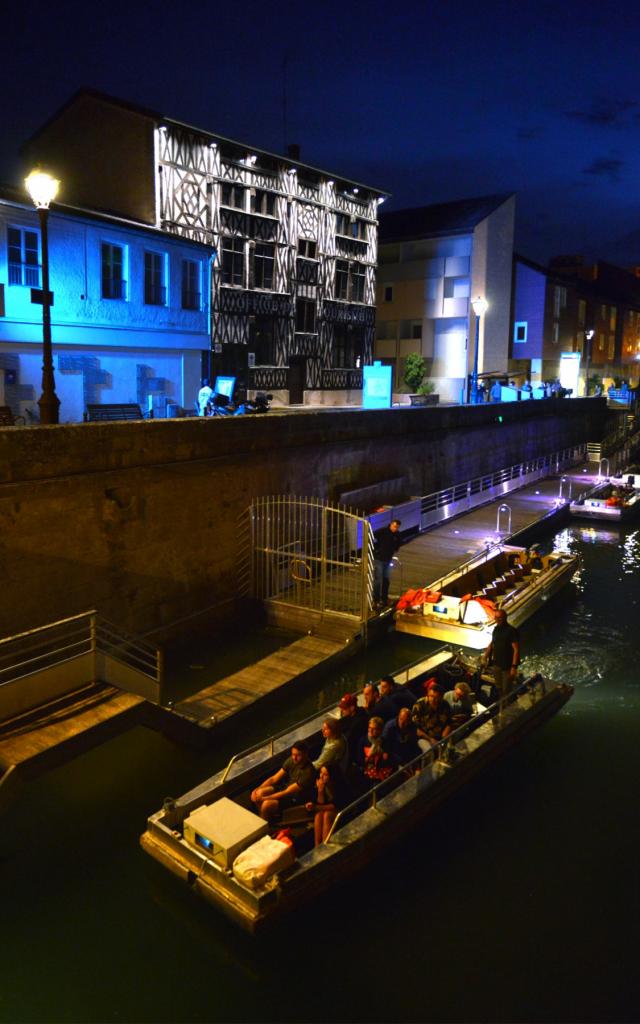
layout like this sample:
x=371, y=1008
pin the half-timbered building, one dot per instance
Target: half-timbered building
x=293, y=277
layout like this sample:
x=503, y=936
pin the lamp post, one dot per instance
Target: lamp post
x=43, y=189
x=588, y=335
x=480, y=307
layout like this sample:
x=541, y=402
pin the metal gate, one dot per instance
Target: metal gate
x=307, y=553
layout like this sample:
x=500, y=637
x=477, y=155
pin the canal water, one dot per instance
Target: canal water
x=518, y=901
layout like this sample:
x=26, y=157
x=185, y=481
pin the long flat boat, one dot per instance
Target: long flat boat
x=460, y=607
x=615, y=499
x=364, y=828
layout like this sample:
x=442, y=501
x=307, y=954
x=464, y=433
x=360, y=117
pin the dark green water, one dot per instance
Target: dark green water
x=518, y=901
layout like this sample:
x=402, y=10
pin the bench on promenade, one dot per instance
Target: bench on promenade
x=7, y=419
x=113, y=411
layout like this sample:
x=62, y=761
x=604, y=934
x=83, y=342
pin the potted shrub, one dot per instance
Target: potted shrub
x=421, y=391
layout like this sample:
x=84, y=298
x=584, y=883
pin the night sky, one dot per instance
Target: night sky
x=438, y=101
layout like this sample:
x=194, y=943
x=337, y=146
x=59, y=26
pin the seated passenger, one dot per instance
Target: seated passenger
x=334, y=750
x=461, y=702
x=432, y=716
x=534, y=558
x=401, y=737
x=330, y=798
x=292, y=785
x=353, y=723
x=392, y=698
x=371, y=697
x=373, y=758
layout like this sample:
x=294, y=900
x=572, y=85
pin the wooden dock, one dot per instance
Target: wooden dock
x=54, y=732
x=239, y=691
x=430, y=556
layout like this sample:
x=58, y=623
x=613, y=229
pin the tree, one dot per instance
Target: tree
x=415, y=369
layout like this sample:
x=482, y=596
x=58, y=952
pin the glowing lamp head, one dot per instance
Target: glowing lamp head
x=480, y=306
x=42, y=187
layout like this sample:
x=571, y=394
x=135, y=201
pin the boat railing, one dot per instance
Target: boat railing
x=401, y=675
x=441, y=751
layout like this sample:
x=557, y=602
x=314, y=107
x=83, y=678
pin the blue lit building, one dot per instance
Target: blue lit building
x=130, y=315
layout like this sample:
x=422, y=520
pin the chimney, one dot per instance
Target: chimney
x=293, y=151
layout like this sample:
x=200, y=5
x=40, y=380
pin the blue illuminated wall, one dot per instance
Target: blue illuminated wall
x=105, y=350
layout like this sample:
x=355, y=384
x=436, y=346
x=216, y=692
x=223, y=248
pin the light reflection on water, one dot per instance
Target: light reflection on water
x=494, y=909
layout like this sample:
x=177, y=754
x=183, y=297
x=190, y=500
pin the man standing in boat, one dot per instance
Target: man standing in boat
x=386, y=544
x=503, y=653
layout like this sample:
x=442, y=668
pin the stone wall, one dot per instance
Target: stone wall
x=143, y=520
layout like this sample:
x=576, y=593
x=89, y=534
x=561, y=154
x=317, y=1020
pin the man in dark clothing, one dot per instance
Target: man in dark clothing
x=504, y=653
x=386, y=545
x=401, y=735
x=392, y=698
x=353, y=723
x=292, y=784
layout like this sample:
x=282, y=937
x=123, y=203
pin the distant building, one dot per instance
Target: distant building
x=130, y=315
x=293, y=285
x=433, y=261
x=555, y=308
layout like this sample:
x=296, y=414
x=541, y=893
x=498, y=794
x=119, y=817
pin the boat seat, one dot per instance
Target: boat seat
x=500, y=584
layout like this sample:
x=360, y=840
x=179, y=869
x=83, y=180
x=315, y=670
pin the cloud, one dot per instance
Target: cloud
x=605, y=167
x=604, y=113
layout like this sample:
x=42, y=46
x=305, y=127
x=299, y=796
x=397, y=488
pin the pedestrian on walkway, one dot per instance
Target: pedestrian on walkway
x=386, y=544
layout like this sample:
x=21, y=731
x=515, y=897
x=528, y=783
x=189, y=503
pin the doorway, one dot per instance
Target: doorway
x=297, y=378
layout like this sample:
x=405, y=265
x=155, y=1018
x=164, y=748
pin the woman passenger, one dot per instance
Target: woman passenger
x=330, y=797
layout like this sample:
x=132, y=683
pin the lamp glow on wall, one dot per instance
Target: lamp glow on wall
x=480, y=307
x=43, y=188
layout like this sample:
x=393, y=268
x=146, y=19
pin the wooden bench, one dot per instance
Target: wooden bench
x=114, y=411
x=7, y=419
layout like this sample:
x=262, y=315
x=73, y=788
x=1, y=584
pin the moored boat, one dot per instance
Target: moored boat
x=615, y=499
x=460, y=607
x=200, y=836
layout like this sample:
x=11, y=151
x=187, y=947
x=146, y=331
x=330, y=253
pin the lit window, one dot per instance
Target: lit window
x=155, y=290
x=114, y=285
x=520, y=332
x=24, y=265
x=190, y=284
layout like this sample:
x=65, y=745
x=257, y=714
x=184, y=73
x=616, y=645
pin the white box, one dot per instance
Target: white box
x=223, y=829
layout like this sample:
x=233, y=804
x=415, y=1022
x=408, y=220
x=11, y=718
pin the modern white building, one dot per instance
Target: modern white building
x=432, y=262
x=130, y=314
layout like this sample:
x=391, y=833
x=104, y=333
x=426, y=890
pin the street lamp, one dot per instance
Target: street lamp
x=480, y=307
x=43, y=189
x=588, y=335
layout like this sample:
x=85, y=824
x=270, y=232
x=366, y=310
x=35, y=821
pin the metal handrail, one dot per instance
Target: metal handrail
x=427, y=758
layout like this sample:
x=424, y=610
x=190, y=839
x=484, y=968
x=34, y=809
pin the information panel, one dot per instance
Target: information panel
x=376, y=386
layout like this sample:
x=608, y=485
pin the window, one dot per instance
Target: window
x=359, y=229
x=24, y=265
x=556, y=333
x=559, y=300
x=456, y=288
x=262, y=340
x=601, y=342
x=307, y=248
x=603, y=312
x=357, y=282
x=611, y=350
x=520, y=332
x=612, y=318
x=155, y=292
x=264, y=203
x=582, y=312
x=347, y=346
x=342, y=224
x=190, y=284
x=305, y=316
x=233, y=195
x=416, y=329
x=113, y=284
x=232, y=261
x=342, y=279
x=263, y=260
x=388, y=293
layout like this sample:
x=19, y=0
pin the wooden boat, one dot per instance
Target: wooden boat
x=362, y=829
x=460, y=607
x=615, y=499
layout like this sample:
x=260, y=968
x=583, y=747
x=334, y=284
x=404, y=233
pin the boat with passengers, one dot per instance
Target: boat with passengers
x=208, y=836
x=614, y=498
x=460, y=607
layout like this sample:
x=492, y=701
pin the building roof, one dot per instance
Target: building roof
x=159, y=119
x=11, y=195
x=457, y=217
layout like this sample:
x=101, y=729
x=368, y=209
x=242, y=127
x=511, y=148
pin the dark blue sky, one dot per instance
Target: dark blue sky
x=436, y=102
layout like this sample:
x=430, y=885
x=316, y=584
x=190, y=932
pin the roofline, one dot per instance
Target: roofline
x=160, y=119
x=79, y=212
x=501, y=199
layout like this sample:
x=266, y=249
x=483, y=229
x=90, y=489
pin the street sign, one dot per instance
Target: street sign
x=37, y=296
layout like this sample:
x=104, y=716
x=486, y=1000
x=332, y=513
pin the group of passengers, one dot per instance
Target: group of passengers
x=362, y=748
